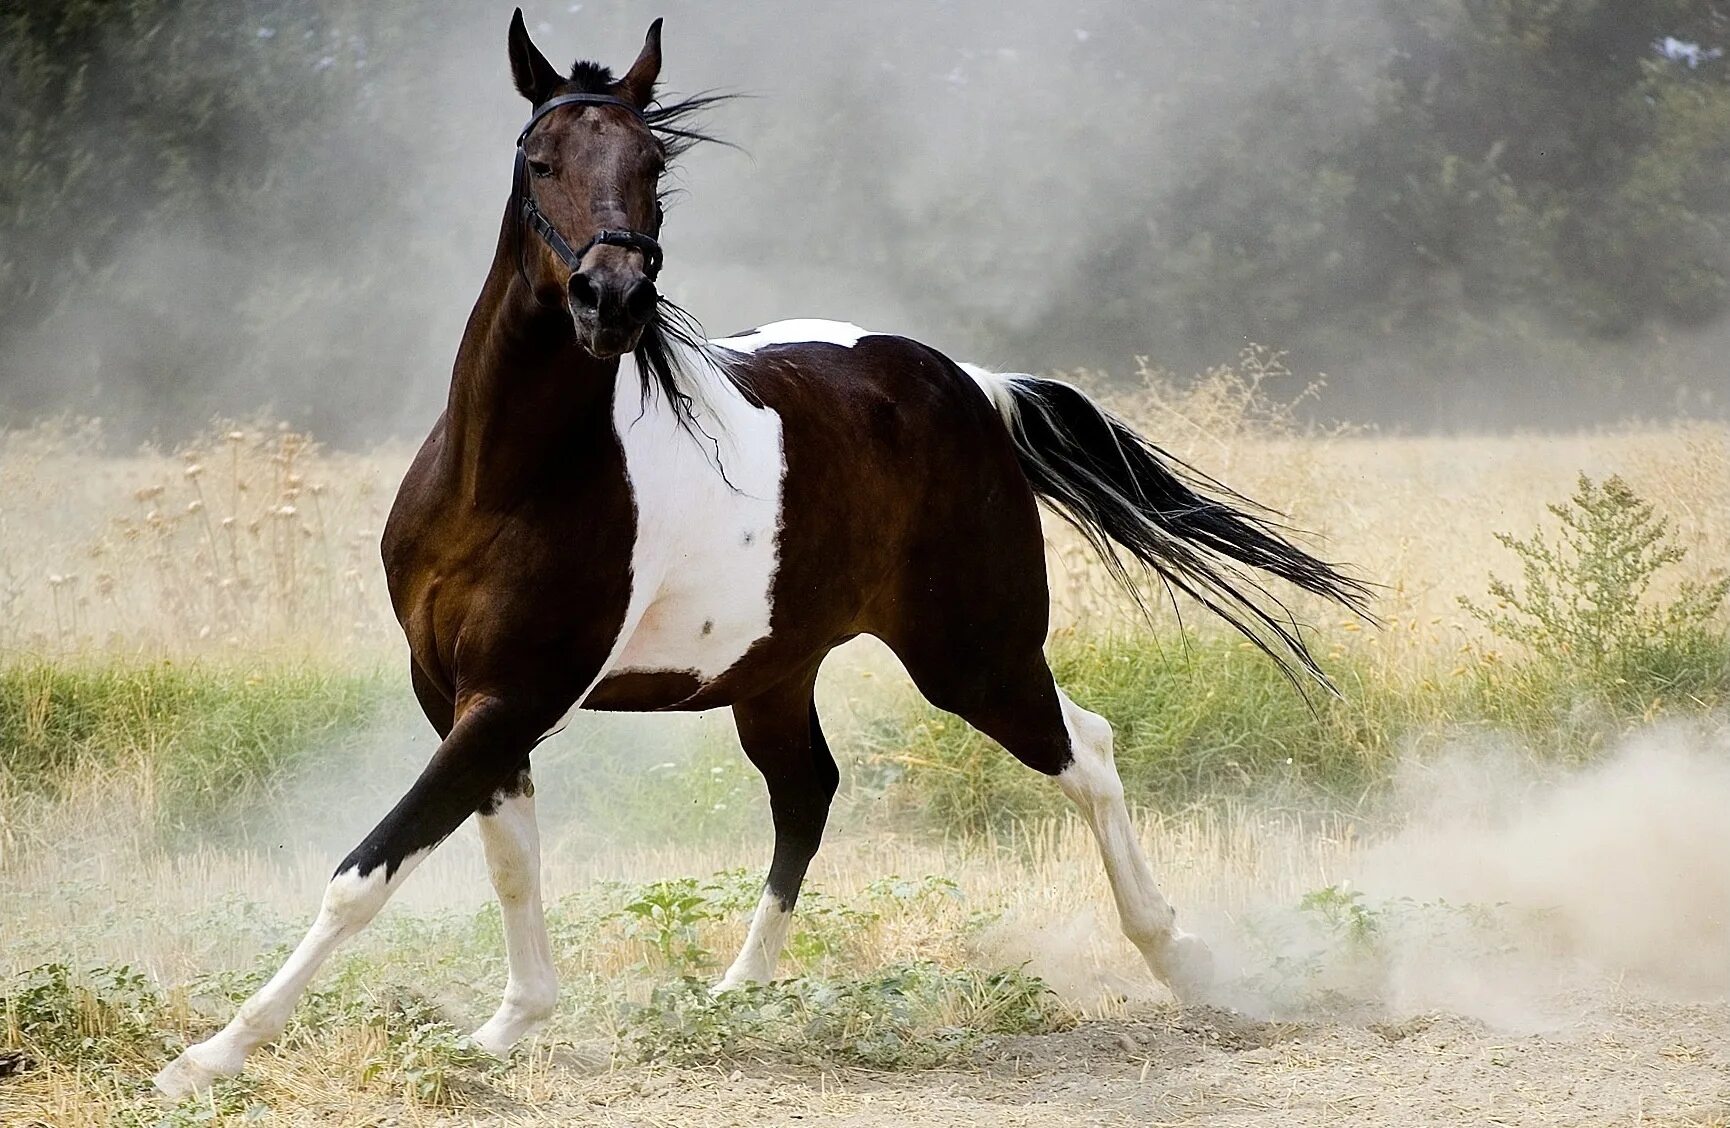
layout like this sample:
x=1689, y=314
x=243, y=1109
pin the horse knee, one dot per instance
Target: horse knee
x=352, y=899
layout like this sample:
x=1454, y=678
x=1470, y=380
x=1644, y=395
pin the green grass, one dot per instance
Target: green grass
x=1194, y=721
x=1213, y=719
x=209, y=741
x=1594, y=652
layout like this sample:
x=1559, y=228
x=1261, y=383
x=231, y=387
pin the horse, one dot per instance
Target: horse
x=614, y=514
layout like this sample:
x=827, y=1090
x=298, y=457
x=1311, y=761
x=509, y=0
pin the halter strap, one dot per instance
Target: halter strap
x=528, y=212
x=552, y=104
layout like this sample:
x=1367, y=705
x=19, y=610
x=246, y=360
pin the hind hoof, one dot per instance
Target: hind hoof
x=186, y=1075
x=1186, y=966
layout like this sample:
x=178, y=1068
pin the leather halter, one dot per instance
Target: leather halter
x=529, y=213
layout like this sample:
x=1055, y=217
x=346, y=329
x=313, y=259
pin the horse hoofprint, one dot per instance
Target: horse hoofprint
x=614, y=514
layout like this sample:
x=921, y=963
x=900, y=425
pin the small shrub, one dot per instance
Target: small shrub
x=666, y=915
x=104, y=1016
x=425, y=1057
x=1585, y=610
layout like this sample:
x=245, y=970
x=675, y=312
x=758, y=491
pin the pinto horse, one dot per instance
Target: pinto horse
x=615, y=514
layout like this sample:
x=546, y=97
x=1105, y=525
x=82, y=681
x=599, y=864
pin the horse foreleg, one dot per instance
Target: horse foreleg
x=513, y=849
x=485, y=749
x=781, y=735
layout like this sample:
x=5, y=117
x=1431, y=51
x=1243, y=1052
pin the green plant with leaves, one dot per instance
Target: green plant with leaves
x=666, y=915
x=100, y=1016
x=427, y=1058
x=1586, y=608
x=906, y=1016
x=1343, y=913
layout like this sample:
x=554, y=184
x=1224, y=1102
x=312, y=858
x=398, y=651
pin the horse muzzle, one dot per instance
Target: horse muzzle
x=610, y=308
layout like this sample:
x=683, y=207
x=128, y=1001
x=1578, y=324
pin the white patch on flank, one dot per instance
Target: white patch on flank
x=350, y=902
x=708, y=524
x=513, y=850
x=799, y=330
x=762, y=950
x=1091, y=782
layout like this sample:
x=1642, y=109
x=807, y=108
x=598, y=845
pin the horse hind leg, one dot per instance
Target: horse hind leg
x=1023, y=710
x=512, y=844
x=1091, y=782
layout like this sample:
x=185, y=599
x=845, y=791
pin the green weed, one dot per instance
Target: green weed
x=909, y=1016
x=1600, y=646
x=101, y=1016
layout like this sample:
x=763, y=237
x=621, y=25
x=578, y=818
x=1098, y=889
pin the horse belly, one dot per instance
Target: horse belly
x=704, y=631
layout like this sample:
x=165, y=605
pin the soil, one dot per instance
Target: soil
x=1619, y=1062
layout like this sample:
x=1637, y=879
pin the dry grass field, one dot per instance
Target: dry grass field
x=1489, y=886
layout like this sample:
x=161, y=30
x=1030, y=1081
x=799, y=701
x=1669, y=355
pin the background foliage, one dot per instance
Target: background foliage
x=1461, y=208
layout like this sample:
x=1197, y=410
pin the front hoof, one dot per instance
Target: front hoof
x=186, y=1075
x=1186, y=966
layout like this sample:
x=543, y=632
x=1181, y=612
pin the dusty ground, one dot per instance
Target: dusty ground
x=1624, y=1061
x=1587, y=982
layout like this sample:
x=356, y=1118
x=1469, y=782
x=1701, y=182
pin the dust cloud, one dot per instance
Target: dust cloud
x=1512, y=893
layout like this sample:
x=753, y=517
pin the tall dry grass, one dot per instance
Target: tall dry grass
x=249, y=537
x=256, y=536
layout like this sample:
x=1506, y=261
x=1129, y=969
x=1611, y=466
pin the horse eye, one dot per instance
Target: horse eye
x=540, y=168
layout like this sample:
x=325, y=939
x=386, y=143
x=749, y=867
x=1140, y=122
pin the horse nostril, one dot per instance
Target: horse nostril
x=583, y=293
x=640, y=301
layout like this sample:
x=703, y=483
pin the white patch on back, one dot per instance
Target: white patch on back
x=708, y=524
x=799, y=330
x=997, y=389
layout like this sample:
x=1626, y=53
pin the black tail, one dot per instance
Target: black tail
x=1126, y=495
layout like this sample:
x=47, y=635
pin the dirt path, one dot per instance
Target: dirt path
x=1622, y=1062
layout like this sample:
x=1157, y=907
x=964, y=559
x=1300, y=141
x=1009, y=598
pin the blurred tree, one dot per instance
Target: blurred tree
x=1444, y=202
x=1507, y=161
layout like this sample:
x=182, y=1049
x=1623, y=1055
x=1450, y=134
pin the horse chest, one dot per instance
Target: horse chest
x=708, y=517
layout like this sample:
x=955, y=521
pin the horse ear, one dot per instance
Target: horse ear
x=536, y=79
x=638, y=85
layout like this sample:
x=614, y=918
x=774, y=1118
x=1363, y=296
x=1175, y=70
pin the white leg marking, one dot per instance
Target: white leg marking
x=513, y=849
x=350, y=902
x=762, y=950
x=1180, y=960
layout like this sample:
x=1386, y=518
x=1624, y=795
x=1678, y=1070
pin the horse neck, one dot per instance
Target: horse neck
x=523, y=393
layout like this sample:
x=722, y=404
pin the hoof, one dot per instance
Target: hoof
x=510, y=1025
x=186, y=1075
x=1186, y=966
x=734, y=980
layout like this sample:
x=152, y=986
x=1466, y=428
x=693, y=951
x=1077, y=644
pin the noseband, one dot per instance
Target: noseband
x=529, y=213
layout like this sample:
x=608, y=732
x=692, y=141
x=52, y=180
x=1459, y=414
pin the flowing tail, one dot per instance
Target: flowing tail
x=1126, y=495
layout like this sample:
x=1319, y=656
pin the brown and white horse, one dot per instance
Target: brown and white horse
x=615, y=514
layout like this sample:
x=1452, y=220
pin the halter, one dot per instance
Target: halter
x=528, y=212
